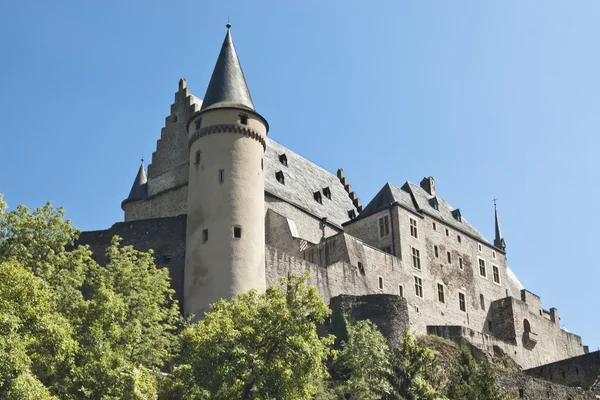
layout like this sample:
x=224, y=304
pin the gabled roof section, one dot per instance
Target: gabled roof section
x=445, y=212
x=302, y=179
x=227, y=87
x=139, y=189
x=388, y=195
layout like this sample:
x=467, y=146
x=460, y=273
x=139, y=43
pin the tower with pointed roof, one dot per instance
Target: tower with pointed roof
x=139, y=189
x=498, y=239
x=225, y=248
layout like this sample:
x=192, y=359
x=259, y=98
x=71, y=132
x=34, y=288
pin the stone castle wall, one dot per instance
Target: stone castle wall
x=582, y=371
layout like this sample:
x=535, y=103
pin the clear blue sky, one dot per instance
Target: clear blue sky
x=493, y=98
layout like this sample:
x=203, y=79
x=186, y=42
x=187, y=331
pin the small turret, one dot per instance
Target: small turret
x=498, y=239
x=139, y=189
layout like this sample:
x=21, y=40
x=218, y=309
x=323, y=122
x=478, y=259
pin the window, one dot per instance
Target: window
x=479, y=247
x=243, y=119
x=361, y=269
x=447, y=232
x=380, y=283
x=462, y=304
x=526, y=326
x=482, y=301
x=458, y=238
x=400, y=291
x=435, y=251
x=221, y=175
x=198, y=123
x=283, y=159
x=205, y=236
x=419, y=287
x=262, y=164
x=482, y=271
x=280, y=178
x=440, y=292
x=434, y=225
x=493, y=254
x=449, y=257
x=317, y=196
x=496, y=273
x=416, y=258
x=413, y=228
x=198, y=157
x=237, y=232
x=460, y=263
x=490, y=326
x=384, y=226
x=327, y=193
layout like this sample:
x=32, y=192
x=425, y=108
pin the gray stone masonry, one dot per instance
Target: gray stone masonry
x=582, y=371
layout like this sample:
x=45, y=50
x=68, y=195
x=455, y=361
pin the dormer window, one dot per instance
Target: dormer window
x=351, y=214
x=434, y=203
x=283, y=159
x=198, y=123
x=280, y=178
x=243, y=119
x=456, y=215
x=318, y=198
x=327, y=193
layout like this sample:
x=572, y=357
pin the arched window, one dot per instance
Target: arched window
x=526, y=326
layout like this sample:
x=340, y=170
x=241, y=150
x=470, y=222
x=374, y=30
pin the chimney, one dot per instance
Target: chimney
x=428, y=184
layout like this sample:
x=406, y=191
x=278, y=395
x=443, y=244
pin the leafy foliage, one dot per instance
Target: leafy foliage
x=363, y=363
x=473, y=380
x=261, y=345
x=53, y=340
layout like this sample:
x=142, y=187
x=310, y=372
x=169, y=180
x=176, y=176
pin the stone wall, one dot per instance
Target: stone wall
x=166, y=236
x=168, y=203
x=521, y=386
x=388, y=312
x=581, y=371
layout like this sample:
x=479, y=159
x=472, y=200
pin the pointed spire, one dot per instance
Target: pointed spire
x=227, y=87
x=498, y=240
x=139, y=189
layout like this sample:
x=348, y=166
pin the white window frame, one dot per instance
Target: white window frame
x=494, y=254
x=465, y=300
x=414, y=228
x=380, y=282
x=495, y=269
x=420, y=282
x=384, y=226
x=484, y=267
x=417, y=257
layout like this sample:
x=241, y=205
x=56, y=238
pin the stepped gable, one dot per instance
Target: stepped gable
x=302, y=181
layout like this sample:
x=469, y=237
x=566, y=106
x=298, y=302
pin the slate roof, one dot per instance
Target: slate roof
x=139, y=189
x=227, y=87
x=444, y=211
x=302, y=179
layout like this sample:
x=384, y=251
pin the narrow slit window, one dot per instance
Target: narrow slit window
x=447, y=232
x=460, y=263
x=435, y=251
x=198, y=158
x=221, y=175
x=361, y=268
x=198, y=123
x=205, y=236
x=380, y=283
x=243, y=119
x=482, y=301
x=449, y=257
x=462, y=303
x=237, y=232
x=400, y=291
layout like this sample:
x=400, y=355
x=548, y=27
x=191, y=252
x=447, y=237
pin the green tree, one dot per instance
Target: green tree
x=261, y=345
x=363, y=364
x=473, y=380
x=103, y=345
x=415, y=372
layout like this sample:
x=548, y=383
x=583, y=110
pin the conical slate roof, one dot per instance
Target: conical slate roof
x=139, y=190
x=227, y=87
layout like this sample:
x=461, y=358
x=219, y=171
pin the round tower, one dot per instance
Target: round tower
x=225, y=248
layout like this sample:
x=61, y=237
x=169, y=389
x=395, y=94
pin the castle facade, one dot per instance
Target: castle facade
x=227, y=209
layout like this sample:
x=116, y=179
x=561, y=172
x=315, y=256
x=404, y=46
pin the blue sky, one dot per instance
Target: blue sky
x=492, y=98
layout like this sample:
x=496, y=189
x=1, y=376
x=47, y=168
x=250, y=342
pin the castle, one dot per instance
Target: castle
x=227, y=209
